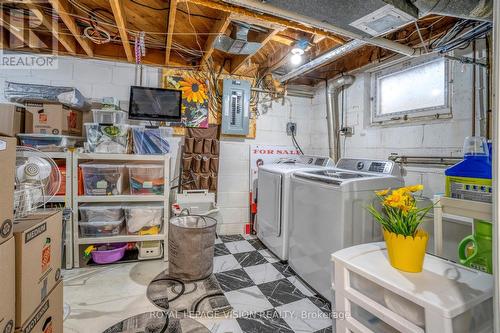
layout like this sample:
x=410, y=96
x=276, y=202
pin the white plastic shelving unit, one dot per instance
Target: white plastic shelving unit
x=375, y=297
x=78, y=199
x=456, y=207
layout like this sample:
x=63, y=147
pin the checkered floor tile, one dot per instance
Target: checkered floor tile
x=266, y=294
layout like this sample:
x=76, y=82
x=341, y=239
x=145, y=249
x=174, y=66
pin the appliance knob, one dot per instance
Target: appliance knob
x=360, y=165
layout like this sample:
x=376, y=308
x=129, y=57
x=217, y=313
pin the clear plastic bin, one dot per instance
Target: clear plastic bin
x=146, y=179
x=151, y=141
x=142, y=217
x=104, y=116
x=101, y=229
x=100, y=212
x=110, y=139
x=49, y=140
x=103, y=179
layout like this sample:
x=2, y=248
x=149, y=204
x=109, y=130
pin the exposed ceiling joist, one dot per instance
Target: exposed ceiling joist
x=170, y=28
x=219, y=28
x=288, y=41
x=52, y=25
x=121, y=22
x=15, y=26
x=265, y=18
x=62, y=8
x=240, y=60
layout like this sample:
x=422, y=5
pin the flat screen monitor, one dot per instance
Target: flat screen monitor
x=155, y=104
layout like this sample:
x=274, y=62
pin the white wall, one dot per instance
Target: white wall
x=234, y=176
x=94, y=78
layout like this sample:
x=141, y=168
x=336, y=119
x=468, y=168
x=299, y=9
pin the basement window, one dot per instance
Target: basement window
x=418, y=88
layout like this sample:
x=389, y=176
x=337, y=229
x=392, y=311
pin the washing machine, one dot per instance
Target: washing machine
x=273, y=189
x=328, y=213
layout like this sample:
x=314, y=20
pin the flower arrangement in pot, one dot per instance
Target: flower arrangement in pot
x=400, y=218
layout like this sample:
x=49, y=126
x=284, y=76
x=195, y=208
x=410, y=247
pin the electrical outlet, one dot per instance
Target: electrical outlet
x=291, y=128
x=347, y=131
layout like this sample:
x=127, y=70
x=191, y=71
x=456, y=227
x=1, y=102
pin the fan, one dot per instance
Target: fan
x=37, y=180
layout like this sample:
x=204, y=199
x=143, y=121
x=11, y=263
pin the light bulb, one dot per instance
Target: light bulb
x=296, y=59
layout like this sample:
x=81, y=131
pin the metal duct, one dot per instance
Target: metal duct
x=466, y=9
x=332, y=113
x=238, y=42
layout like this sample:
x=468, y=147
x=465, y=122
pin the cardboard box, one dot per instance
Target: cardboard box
x=8, y=285
x=48, y=317
x=57, y=119
x=12, y=118
x=7, y=170
x=38, y=260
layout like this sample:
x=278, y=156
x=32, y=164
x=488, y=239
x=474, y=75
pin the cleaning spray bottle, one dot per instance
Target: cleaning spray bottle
x=475, y=250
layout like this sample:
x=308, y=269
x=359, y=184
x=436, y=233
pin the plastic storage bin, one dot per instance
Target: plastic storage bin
x=146, y=179
x=141, y=218
x=101, y=229
x=104, y=116
x=100, y=212
x=111, y=139
x=45, y=141
x=103, y=179
x=151, y=141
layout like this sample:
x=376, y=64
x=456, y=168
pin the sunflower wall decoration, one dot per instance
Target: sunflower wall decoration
x=194, y=99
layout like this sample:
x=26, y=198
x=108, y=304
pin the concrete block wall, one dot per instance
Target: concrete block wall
x=94, y=78
x=234, y=176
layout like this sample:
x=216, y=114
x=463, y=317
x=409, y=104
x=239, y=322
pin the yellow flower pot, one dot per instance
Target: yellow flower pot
x=406, y=253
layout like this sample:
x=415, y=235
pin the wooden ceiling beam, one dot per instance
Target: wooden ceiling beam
x=121, y=23
x=225, y=7
x=19, y=31
x=62, y=8
x=285, y=40
x=219, y=28
x=67, y=41
x=240, y=60
x=170, y=29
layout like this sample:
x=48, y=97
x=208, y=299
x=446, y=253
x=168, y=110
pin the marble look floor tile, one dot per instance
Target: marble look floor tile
x=248, y=301
x=300, y=285
x=284, y=269
x=267, y=322
x=257, y=244
x=234, y=280
x=281, y=292
x=263, y=273
x=325, y=330
x=304, y=317
x=225, y=263
x=231, y=238
x=269, y=256
x=248, y=237
x=239, y=246
x=222, y=325
x=221, y=250
x=247, y=259
x=218, y=240
x=321, y=303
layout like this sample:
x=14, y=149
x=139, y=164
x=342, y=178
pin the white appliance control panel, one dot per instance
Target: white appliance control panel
x=374, y=166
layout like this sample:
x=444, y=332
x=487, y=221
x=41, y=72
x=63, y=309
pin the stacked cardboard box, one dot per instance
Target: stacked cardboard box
x=12, y=118
x=38, y=272
x=43, y=118
x=7, y=243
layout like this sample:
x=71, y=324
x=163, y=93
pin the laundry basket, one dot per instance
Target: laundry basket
x=191, y=243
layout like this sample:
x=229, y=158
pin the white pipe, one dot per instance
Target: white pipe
x=261, y=6
x=496, y=163
x=332, y=113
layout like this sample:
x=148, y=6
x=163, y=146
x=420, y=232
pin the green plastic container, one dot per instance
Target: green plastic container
x=475, y=250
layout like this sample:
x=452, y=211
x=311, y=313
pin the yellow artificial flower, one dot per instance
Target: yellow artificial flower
x=382, y=193
x=193, y=90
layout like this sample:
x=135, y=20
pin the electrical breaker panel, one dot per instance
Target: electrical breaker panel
x=235, y=107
